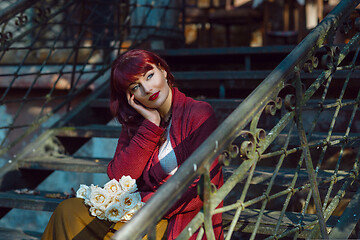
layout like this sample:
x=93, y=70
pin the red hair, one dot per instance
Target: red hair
x=125, y=70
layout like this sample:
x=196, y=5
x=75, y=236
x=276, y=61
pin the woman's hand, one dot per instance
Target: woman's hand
x=150, y=114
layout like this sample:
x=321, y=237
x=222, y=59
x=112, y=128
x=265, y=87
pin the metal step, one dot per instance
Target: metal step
x=254, y=75
x=262, y=174
x=191, y=52
x=246, y=58
x=246, y=221
x=226, y=103
x=37, y=202
x=248, y=218
x=106, y=131
x=89, y=131
x=66, y=163
x=214, y=102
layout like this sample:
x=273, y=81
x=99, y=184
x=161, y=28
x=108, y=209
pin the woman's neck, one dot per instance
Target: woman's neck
x=165, y=109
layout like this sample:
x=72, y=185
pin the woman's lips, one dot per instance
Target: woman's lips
x=154, y=96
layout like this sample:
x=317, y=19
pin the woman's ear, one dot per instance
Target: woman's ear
x=163, y=70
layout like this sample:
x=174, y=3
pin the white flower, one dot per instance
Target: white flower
x=129, y=200
x=114, y=212
x=97, y=213
x=128, y=184
x=117, y=201
x=113, y=187
x=128, y=215
x=83, y=192
x=99, y=197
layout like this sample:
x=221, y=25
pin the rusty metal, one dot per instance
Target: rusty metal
x=306, y=154
x=349, y=219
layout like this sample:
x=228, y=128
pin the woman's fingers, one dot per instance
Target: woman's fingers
x=129, y=97
x=133, y=104
x=151, y=114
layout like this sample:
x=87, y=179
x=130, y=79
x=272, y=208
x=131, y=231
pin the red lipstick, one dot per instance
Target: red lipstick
x=154, y=96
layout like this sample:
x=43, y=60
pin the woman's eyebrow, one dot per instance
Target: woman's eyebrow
x=146, y=72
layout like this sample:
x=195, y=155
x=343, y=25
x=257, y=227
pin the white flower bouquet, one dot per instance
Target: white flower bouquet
x=116, y=201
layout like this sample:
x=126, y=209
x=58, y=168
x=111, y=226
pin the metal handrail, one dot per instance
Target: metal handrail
x=13, y=9
x=197, y=163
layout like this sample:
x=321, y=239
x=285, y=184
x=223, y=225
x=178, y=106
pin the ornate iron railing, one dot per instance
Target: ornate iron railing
x=65, y=48
x=309, y=121
x=53, y=51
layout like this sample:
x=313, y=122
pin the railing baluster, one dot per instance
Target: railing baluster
x=308, y=161
x=208, y=209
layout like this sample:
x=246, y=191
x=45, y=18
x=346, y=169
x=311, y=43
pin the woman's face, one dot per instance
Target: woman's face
x=151, y=88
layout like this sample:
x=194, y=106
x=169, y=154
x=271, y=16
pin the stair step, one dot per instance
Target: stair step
x=245, y=58
x=262, y=174
x=269, y=220
x=37, y=202
x=66, y=163
x=222, y=76
x=226, y=105
x=41, y=202
x=229, y=103
x=191, y=52
x=15, y=234
x=214, y=102
x=246, y=221
x=316, y=137
x=90, y=131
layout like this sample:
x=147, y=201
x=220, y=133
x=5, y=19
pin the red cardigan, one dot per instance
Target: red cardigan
x=192, y=122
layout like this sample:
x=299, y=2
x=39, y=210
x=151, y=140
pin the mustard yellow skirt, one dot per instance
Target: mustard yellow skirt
x=71, y=220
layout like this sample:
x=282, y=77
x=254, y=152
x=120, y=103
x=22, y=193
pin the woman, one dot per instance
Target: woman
x=161, y=128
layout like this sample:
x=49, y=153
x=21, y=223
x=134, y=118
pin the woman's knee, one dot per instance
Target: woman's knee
x=72, y=208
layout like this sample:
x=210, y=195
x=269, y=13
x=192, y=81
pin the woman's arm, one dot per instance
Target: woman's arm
x=132, y=154
x=202, y=122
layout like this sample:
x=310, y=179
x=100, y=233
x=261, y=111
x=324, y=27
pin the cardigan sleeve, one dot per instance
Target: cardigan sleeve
x=132, y=154
x=202, y=122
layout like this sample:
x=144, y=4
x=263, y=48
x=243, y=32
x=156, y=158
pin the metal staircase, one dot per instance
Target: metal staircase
x=289, y=143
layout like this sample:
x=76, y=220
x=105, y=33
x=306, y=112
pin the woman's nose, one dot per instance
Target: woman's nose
x=147, y=88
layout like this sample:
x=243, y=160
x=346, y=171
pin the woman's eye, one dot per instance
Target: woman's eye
x=150, y=76
x=134, y=88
